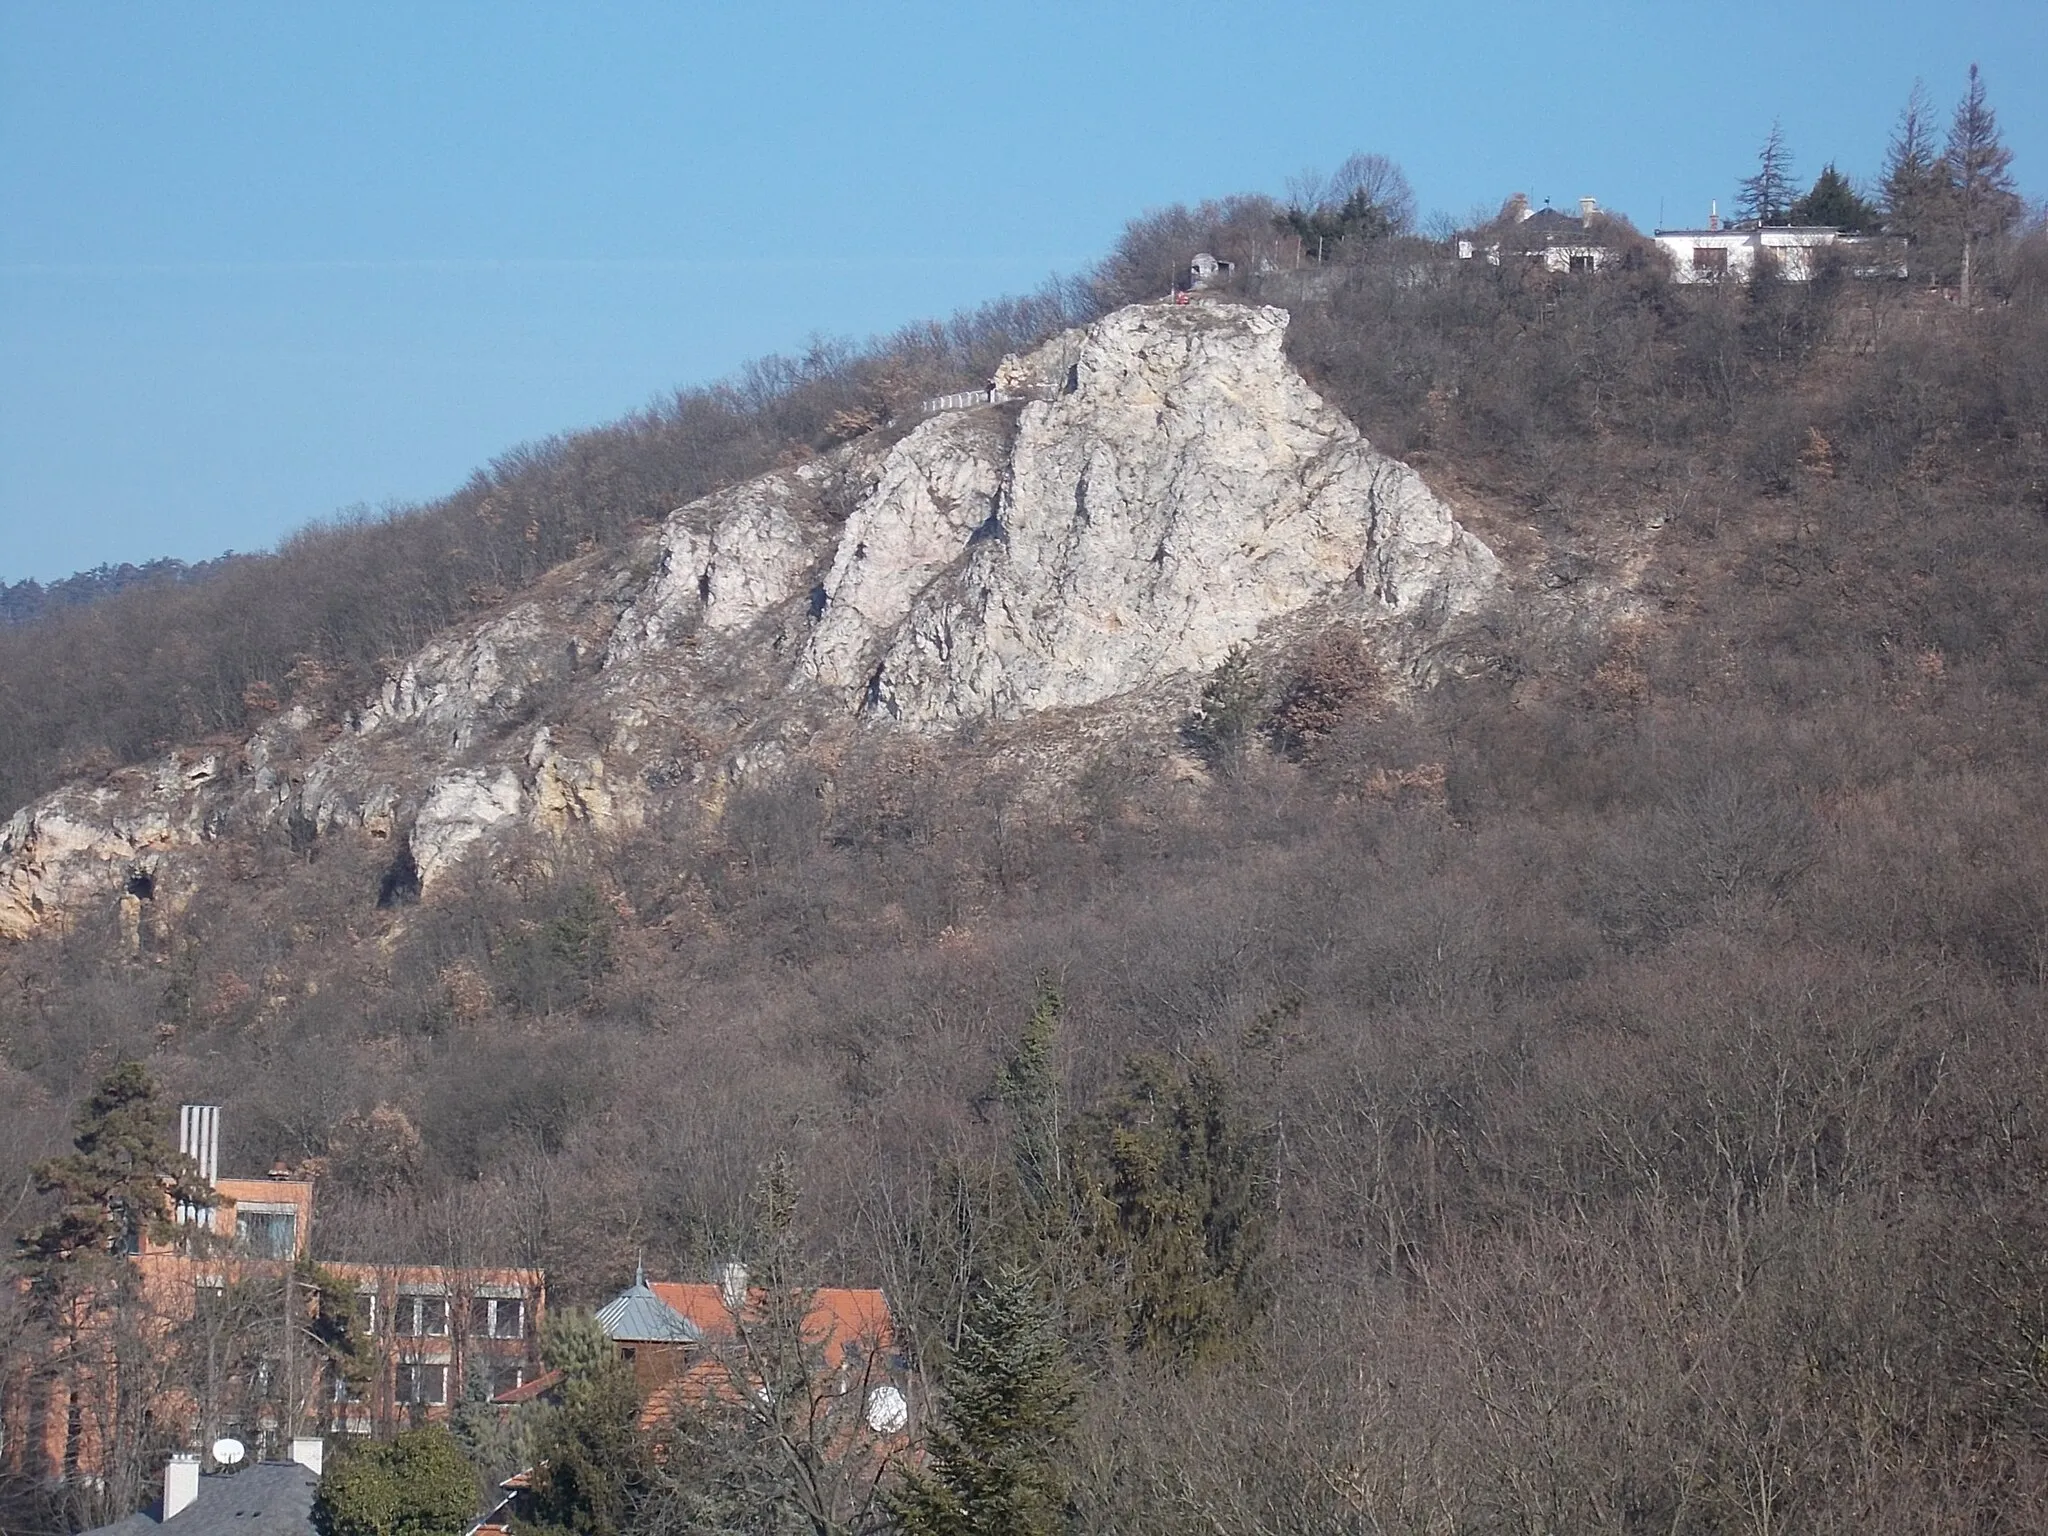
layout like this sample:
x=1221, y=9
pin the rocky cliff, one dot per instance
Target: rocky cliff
x=1158, y=488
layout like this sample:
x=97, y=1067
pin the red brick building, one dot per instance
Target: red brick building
x=228, y=1330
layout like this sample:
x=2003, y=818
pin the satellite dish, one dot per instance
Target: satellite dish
x=227, y=1453
x=888, y=1410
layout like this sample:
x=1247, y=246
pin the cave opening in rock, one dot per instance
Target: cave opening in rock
x=142, y=883
x=401, y=883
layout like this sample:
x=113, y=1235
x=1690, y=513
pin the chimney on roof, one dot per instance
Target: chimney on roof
x=731, y=1279
x=310, y=1452
x=181, y=1483
x=1587, y=208
x=1714, y=215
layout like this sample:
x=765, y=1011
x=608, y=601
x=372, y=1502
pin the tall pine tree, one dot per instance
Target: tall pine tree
x=994, y=1456
x=118, y=1186
x=1766, y=197
x=1979, y=170
x=1914, y=183
x=1030, y=1089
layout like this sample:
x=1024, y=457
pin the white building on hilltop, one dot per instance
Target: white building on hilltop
x=1732, y=251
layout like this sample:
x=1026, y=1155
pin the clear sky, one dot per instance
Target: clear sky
x=259, y=263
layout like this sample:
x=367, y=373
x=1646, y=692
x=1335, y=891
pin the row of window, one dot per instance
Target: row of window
x=417, y=1316
x=426, y=1385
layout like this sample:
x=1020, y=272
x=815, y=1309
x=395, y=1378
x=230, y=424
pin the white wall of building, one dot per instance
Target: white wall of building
x=1792, y=248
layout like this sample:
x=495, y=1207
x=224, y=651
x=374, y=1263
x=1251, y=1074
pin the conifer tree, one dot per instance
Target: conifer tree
x=1913, y=182
x=115, y=1188
x=994, y=1455
x=417, y=1485
x=1221, y=726
x=591, y=1463
x=1833, y=201
x=1979, y=169
x=1767, y=196
x=1176, y=1206
x=1030, y=1088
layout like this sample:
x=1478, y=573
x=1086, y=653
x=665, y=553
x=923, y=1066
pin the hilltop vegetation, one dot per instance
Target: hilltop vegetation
x=1599, y=1092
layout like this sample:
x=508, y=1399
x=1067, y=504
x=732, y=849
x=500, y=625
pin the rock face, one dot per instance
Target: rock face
x=1188, y=489
x=1168, y=487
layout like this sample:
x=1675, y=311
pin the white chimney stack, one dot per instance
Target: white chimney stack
x=309, y=1451
x=1587, y=208
x=199, y=1139
x=181, y=1483
x=1714, y=214
x=732, y=1284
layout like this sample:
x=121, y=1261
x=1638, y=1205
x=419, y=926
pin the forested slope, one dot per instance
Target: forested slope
x=1599, y=1092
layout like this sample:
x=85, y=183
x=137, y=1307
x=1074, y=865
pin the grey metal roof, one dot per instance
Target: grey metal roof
x=271, y=1498
x=637, y=1316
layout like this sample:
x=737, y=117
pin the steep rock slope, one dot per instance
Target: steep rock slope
x=1143, y=495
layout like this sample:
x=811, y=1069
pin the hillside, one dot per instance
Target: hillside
x=1548, y=1029
x=1147, y=494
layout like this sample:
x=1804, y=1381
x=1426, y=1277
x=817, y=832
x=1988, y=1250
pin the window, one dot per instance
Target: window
x=506, y=1377
x=497, y=1317
x=1584, y=261
x=420, y=1317
x=365, y=1311
x=267, y=1234
x=345, y=1391
x=422, y=1385
x=209, y=1298
x=1710, y=260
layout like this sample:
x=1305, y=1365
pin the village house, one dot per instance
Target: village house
x=270, y=1498
x=1720, y=252
x=705, y=1343
x=415, y=1333
x=1559, y=242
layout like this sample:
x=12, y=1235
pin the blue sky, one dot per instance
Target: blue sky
x=259, y=263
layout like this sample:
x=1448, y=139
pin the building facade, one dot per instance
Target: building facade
x=235, y=1329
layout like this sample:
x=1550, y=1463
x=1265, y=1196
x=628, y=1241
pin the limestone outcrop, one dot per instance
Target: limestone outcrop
x=1160, y=487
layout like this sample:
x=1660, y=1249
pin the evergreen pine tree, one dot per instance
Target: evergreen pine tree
x=1913, y=182
x=1979, y=169
x=1766, y=197
x=993, y=1464
x=1177, y=1208
x=590, y=1460
x=416, y=1485
x=1223, y=720
x=1030, y=1088
x=117, y=1187
x=1833, y=201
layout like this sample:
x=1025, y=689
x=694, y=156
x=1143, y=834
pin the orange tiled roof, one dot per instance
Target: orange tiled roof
x=837, y=1317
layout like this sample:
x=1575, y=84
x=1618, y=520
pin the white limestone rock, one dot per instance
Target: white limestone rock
x=1187, y=491
x=728, y=558
x=462, y=807
x=1165, y=486
x=935, y=492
